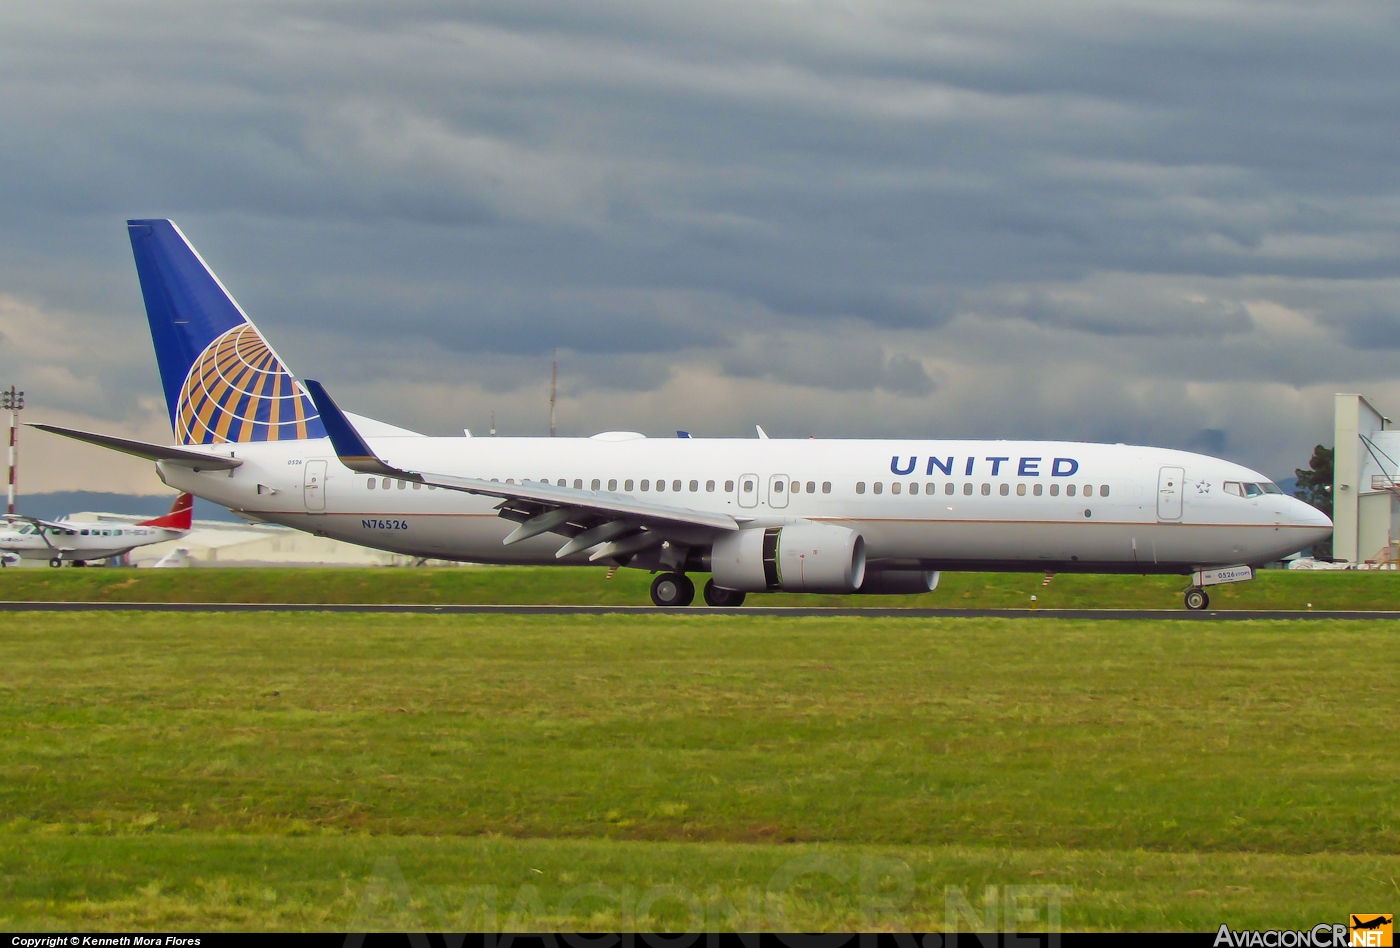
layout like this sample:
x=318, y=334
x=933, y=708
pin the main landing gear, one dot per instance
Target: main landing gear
x=723, y=598
x=1196, y=598
x=56, y=562
x=672, y=589
x=676, y=589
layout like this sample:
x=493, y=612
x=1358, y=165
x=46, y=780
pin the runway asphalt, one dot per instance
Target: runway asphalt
x=784, y=611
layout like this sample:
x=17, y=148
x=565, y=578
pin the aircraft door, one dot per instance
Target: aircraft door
x=778, y=490
x=748, y=490
x=1169, y=481
x=314, y=486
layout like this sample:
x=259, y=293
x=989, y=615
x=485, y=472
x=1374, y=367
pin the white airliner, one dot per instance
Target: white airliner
x=77, y=542
x=758, y=515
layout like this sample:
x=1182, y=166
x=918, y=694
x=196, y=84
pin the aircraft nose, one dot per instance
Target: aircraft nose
x=1303, y=514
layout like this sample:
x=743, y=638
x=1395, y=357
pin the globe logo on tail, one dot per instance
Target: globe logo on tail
x=238, y=390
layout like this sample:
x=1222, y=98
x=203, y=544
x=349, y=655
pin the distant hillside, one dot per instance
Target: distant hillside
x=60, y=503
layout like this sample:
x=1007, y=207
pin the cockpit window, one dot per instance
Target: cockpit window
x=1252, y=490
x=1271, y=488
x=1233, y=487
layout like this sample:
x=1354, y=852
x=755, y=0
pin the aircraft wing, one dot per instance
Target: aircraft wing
x=151, y=452
x=617, y=525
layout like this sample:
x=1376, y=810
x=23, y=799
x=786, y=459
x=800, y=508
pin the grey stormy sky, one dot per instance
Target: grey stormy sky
x=1168, y=223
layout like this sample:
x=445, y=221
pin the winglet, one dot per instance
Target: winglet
x=354, y=452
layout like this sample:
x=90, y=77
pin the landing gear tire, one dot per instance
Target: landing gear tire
x=722, y=598
x=672, y=589
x=1197, y=599
x=55, y=562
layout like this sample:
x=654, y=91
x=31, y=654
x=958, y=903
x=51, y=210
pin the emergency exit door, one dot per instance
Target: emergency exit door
x=314, y=486
x=1169, y=493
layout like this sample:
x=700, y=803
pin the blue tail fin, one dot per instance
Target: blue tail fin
x=222, y=380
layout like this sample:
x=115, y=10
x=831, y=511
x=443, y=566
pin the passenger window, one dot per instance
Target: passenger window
x=612, y=484
x=646, y=485
x=748, y=487
x=948, y=488
x=1054, y=490
x=795, y=487
x=1069, y=490
x=628, y=486
x=1038, y=489
x=1233, y=487
x=106, y=533
x=967, y=490
x=373, y=483
x=660, y=484
x=1088, y=490
x=417, y=485
x=1005, y=489
x=1103, y=490
x=675, y=485
x=595, y=484
x=986, y=490
x=694, y=486
x=811, y=487
x=860, y=487
x=84, y=532
x=385, y=485
x=1020, y=490
x=894, y=488
x=728, y=487
x=913, y=487
x=401, y=484
x=710, y=487
x=879, y=487
x=578, y=483
x=826, y=487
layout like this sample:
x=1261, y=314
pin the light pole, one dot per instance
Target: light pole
x=12, y=402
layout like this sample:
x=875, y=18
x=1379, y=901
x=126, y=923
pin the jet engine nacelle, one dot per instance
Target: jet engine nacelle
x=899, y=582
x=796, y=557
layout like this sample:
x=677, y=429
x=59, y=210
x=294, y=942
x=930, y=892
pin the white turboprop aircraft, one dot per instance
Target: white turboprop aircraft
x=77, y=542
x=758, y=515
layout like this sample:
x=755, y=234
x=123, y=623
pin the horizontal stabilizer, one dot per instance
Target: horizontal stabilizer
x=151, y=452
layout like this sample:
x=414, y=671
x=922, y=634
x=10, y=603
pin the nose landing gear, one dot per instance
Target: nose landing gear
x=672, y=589
x=1196, y=599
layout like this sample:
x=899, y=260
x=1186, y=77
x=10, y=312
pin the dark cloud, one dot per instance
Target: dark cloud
x=1008, y=219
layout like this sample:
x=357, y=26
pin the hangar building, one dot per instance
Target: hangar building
x=1365, y=484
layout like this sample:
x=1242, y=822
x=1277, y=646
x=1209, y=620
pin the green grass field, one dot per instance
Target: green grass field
x=325, y=771
x=1273, y=589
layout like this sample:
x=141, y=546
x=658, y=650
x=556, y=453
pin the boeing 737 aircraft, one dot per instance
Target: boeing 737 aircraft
x=76, y=542
x=757, y=515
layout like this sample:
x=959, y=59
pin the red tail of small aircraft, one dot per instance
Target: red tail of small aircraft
x=181, y=516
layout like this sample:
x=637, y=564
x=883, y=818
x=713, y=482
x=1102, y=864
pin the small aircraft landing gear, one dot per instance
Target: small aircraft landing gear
x=721, y=597
x=56, y=562
x=672, y=589
x=1196, y=599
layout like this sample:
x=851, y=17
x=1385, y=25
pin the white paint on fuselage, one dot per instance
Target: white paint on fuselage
x=1121, y=531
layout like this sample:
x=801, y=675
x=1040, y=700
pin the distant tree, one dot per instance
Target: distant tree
x=1315, y=487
